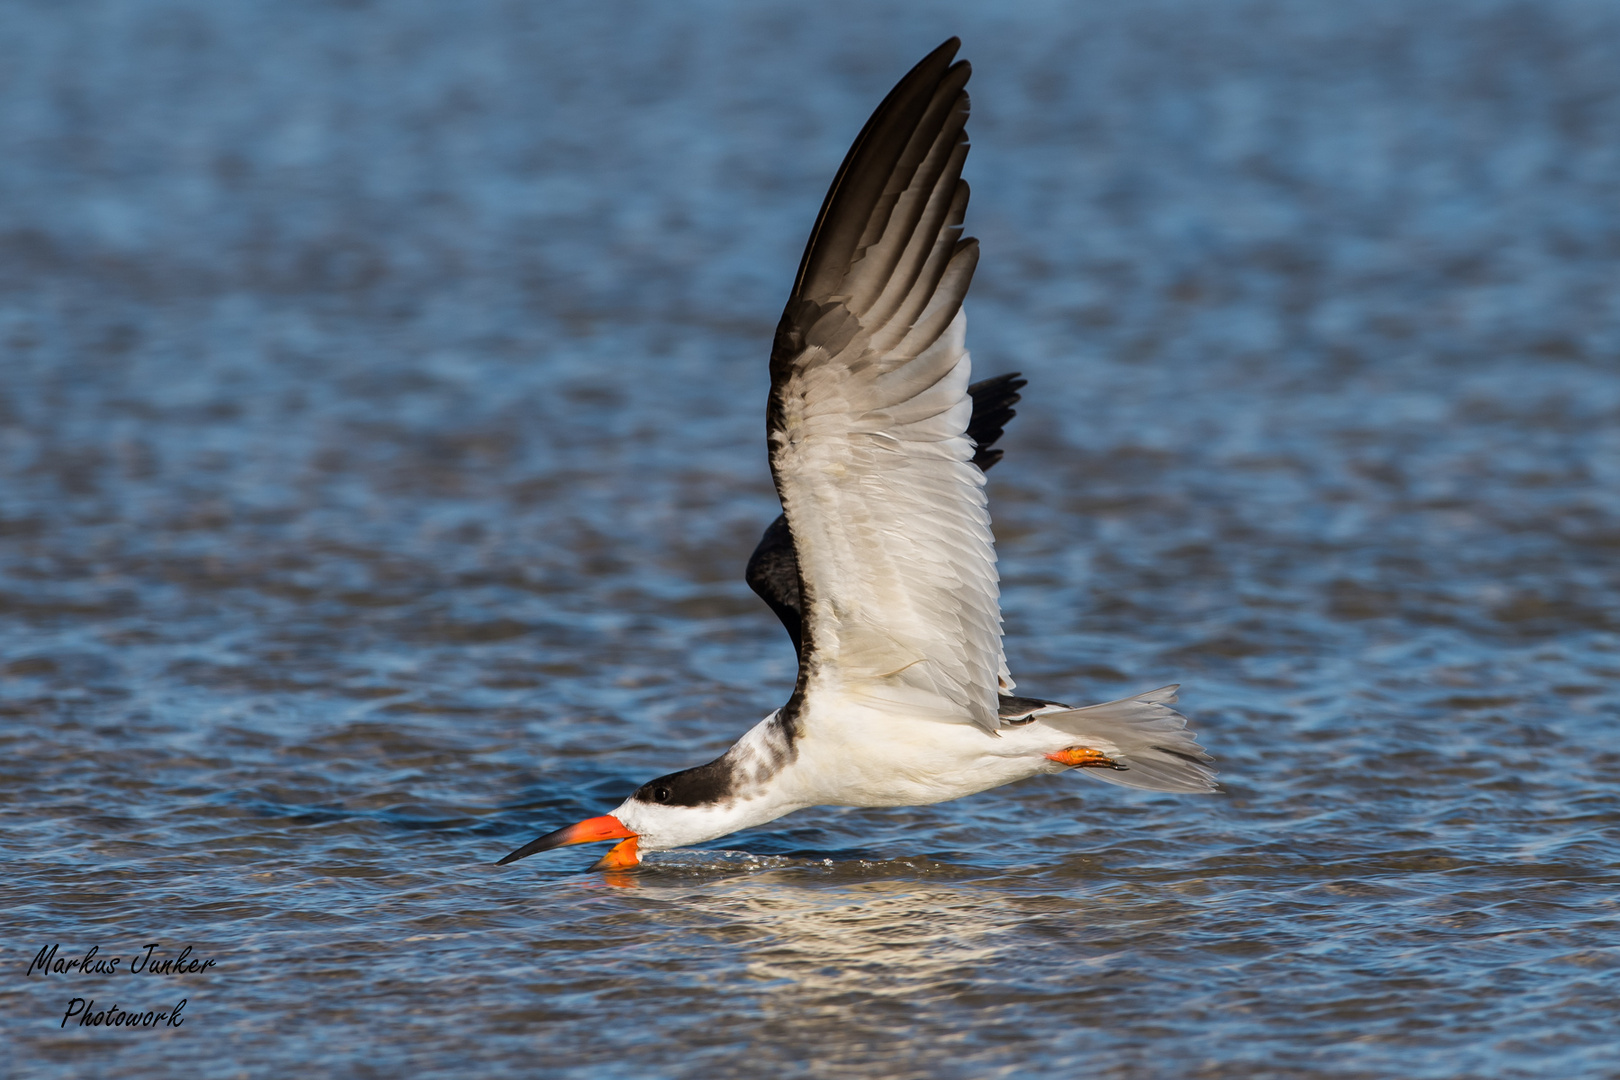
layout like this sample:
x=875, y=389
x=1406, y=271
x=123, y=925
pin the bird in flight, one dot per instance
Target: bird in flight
x=882, y=566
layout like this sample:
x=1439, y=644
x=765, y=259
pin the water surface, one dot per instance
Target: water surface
x=381, y=443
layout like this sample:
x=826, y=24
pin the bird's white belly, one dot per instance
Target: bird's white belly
x=858, y=756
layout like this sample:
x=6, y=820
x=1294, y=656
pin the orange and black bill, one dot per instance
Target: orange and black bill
x=606, y=827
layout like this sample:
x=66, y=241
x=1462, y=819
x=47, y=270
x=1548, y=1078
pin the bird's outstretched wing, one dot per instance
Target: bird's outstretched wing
x=867, y=422
x=773, y=570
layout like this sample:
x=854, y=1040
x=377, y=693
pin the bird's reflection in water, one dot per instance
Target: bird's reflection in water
x=849, y=956
x=622, y=879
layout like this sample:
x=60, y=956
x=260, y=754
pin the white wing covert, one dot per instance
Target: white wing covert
x=868, y=415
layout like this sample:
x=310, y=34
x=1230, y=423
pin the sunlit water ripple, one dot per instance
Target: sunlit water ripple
x=381, y=444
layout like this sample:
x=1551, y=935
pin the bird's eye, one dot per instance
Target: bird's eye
x=661, y=794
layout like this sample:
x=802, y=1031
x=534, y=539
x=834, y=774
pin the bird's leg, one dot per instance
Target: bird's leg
x=1084, y=757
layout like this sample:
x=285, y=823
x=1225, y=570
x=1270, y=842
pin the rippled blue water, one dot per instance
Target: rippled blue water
x=381, y=392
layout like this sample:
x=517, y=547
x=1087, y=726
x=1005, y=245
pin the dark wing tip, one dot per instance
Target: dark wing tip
x=993, y=401
x=899, y=110
x=942, y=54
x=773, y=574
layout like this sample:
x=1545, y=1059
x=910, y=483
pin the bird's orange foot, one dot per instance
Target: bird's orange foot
x=1084, y=757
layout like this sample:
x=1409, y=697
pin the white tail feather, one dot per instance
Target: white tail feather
x=1146, y=736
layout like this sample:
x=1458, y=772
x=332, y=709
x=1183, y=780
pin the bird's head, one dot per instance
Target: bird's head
x=672, y=811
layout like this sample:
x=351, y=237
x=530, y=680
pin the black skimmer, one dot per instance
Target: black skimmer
x=882, y=566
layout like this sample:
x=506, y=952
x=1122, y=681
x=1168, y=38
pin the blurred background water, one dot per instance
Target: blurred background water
x=381, y=395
